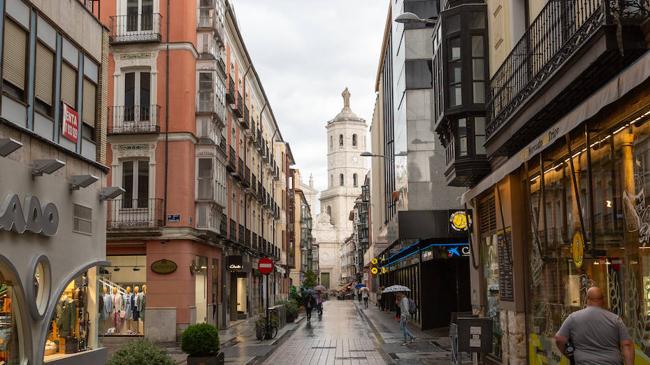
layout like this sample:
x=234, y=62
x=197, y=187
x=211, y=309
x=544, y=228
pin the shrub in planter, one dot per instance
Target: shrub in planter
x=292, y=308
x=201, y=343
x=140, y=352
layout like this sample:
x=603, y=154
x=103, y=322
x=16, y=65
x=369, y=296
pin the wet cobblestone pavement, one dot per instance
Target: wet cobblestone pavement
x=341, y=337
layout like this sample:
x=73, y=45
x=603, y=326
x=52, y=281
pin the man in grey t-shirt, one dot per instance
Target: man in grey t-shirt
x=598, y=335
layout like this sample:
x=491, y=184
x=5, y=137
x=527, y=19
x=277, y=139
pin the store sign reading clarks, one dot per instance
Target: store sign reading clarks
x=38, y=219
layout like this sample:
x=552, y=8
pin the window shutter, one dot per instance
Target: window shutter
x=68, y=85
x=15, y=49
x=44, y=73
x=90, y=97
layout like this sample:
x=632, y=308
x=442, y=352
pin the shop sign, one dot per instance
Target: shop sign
x=42, y=220
x=374, y=271
x=164, y=267
x=234, y=263
x=578, y=249
x=459, y=221
x=70, y=123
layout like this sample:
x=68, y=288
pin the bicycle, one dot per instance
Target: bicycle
x=266, y=330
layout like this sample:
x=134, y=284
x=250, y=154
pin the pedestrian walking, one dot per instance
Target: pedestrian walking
x=598, y=336
x=309, y=303
x=319, y=304
x=364, y=296
x=405, y=313
x=397, y=307
x=380, y=303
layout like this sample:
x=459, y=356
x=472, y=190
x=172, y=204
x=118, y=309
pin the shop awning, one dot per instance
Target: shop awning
x=633, y=76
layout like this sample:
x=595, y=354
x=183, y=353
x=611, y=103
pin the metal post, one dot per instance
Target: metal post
x=267, y=306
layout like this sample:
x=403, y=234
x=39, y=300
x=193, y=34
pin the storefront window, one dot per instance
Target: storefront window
x=8, y=328
x=566, y=258
x=73, y=328
x=122, y=297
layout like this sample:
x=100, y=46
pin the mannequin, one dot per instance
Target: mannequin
x=118, y=307
x=128, y=299
x=107, y=309
x=136, y=309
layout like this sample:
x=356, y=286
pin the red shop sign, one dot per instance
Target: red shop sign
x=70, y=123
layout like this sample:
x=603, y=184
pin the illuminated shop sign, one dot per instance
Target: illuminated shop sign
x=459, y=221
x=40, y=219
x=234, y=263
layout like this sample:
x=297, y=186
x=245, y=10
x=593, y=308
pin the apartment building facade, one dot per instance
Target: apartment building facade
x=410, y=199
x=194, y=142
x=54, y=187
x=555, y=159
x=302, y=254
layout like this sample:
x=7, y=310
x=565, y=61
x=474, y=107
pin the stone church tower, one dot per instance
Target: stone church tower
x=346, y=140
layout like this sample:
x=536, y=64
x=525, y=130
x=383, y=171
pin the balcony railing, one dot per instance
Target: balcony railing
x=134, y=28
x=232, y=160
x=246, y=118
x=246, y=181
x=133, y=119
x=558, y=32
x=223, y=225
x=233, y=231
x=231, y=91
x=242, y=235
x=222, y=145
x=237, y=105
x=134, y=214
x=248, y=237
x=254, y=242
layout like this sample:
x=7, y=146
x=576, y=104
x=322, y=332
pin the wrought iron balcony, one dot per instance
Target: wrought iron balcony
x=133, y=119
x=254, y=243
x=231, y=91
x=223, y=225
x=232, y=160
x=246, y=181
x=242, y=235
x=239, y=171
x=563, y=31
x=135, y=28
x=258, y=140
x=134, y=214
x=223, y=146
x=248, y=237
x=245, y=118
x=233, y=231
x=238, y=105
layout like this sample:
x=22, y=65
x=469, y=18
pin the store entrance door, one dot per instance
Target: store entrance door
x=201, y=288
x=445, y=288
x=242, y=305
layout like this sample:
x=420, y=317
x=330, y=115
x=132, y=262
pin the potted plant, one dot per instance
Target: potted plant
x=201, y=344
x=140, y=352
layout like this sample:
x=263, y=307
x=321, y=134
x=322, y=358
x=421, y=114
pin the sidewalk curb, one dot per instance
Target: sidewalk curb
x=378, y=336
x=276, y=343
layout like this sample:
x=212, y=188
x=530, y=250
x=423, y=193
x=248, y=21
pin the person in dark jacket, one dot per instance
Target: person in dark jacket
x=309, y=303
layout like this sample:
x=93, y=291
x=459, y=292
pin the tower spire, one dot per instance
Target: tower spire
x=311, y=180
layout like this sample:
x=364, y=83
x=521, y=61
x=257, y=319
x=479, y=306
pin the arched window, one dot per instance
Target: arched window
x=354, y=140
x=331, y=180
x=329, y=210
x=341, y=180
x=340, y=140
x=355, y=180
x=331, y=143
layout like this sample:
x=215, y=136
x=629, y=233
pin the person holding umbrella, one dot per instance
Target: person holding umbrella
x=404, y=307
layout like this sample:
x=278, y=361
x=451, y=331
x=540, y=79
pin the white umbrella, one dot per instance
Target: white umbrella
x=396, y=289
x=364, y=289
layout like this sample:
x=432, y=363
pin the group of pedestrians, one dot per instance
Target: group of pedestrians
x=313, y=300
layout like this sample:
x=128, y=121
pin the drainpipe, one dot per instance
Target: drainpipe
x=166, y=118
x=260, y=171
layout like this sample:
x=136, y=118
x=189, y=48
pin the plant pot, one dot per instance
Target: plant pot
x=217, y=359
x=290, y=318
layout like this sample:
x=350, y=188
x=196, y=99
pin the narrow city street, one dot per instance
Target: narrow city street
x=348, y=334
x=341, y=337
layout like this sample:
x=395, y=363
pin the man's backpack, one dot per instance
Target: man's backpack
x=413, y=308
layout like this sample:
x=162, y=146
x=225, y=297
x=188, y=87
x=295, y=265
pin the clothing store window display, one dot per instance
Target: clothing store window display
x=8, y=329
x=73, y=328
x=121, y=310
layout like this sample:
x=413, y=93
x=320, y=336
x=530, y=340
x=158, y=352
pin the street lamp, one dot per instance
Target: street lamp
x=370, y=154
x=410, y=18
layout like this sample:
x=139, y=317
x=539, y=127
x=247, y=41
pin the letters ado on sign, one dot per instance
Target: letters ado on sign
x=39, y=219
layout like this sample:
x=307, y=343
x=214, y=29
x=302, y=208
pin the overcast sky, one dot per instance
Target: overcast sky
x=306, y=52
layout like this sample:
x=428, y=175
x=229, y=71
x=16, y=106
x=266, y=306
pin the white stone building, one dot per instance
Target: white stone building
x=346, y=139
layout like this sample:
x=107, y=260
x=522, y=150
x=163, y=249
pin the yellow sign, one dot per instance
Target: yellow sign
x=374, y=261
x=459, y=221
x=578, y=249
x=374, y=271
x=384, y=270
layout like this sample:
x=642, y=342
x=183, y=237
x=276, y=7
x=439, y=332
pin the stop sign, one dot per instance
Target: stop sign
x=265, y=266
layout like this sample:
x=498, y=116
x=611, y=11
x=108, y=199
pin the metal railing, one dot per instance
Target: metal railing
x=242, y=235
x=231, y=91
x=133, y=119
x=134, y=213
x=232, y=159
x=233, y=230
x=248, y=237
x=135, y=28
x=558, y=32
